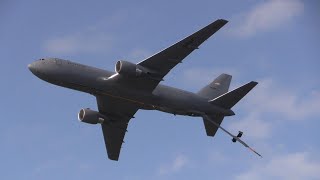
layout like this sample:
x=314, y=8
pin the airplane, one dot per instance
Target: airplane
x=131, y=87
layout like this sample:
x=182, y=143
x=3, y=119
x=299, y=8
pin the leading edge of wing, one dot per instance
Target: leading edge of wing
x=212, y=28
x=159, y=65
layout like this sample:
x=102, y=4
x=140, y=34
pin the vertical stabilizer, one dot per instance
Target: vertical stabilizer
x=217, y=87
x=211, y=129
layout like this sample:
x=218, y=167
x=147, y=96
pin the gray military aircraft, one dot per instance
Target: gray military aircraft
x=131, y=87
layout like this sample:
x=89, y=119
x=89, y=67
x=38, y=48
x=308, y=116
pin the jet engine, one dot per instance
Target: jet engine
x=128, y=69
x=91, y=117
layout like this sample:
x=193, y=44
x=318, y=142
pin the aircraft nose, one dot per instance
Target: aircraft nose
x=34, y=68
x=31, y=67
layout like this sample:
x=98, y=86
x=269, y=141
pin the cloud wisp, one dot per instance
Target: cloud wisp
x=267, y=16
x=179, y=162
x=291, y=166
x=270, y=97
x=83, y=42
x=96, y=38
x=254, y=126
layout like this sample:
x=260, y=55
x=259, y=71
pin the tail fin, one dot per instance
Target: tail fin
x=229, y=99
x=217, y=87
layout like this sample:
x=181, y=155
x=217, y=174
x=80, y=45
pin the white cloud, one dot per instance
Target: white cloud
x=292, y=166
x=90, y=41
x=180, y=162
x=95, y=38
x=218, y=157
x=267, y=16
x=270, y=97
x=253, y=126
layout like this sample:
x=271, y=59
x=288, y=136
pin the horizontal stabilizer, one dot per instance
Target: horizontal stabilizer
x=229, y=99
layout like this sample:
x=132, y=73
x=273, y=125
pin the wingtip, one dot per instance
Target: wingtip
x=220, y=22
x=254, y=82
x=225, y=74
x=113, y=157
x=223, y=21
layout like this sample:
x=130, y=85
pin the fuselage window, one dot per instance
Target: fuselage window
x=57, y=62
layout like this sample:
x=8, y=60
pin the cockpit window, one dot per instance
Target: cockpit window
x=41, y=59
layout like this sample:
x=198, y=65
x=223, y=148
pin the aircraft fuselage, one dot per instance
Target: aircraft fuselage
x=95, y=81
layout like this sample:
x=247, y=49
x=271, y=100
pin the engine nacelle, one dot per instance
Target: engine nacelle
x=128, y=69
x=91, y=117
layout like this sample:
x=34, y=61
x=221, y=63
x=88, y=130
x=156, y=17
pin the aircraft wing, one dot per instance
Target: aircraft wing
x=161, y=63
x=120, y=112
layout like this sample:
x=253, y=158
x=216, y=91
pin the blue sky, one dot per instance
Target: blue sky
x=273, y=42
